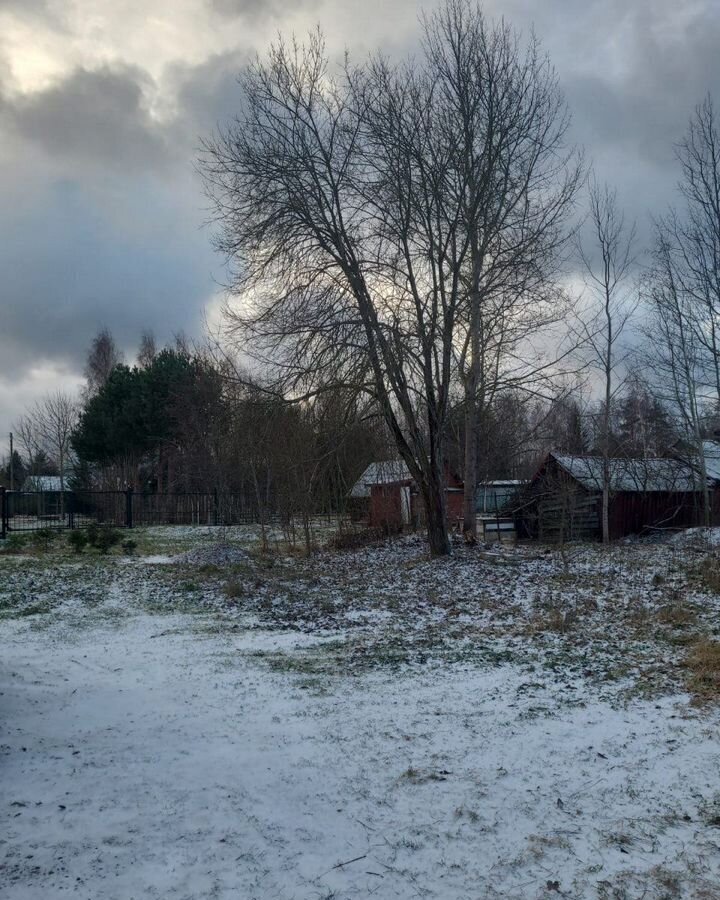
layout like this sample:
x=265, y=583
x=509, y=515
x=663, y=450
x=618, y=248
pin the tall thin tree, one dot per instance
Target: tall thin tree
x=608, y=261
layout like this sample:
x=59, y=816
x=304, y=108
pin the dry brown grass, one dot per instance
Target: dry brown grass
x=234, y=589
x=679, y=615
x=709, y=573
x=553, y=618
x=703, y=664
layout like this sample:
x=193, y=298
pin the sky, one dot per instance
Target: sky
x=103, y=104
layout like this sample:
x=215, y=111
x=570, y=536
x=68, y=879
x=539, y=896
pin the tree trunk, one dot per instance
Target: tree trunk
x=606, y=417
x=606, y=510
x=62, y=484
x=471, y=464
x=707, y=499
x=433, y=493
x=472, y=383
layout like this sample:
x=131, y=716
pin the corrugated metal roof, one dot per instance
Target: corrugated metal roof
x=42, y=483
x=632, y=475
x=388, y=471
x=711, y=452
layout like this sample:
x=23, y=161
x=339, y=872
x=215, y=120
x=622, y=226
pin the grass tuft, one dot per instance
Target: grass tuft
x=708, y=573
x=703, y=665
x=679, y=615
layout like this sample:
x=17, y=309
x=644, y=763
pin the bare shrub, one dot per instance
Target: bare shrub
x=352, y=540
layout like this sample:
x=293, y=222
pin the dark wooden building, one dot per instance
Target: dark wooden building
x=564, y=499
x=389, y=497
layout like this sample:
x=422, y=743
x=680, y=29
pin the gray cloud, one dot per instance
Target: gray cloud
x=208, y=94
x=42, y=12
x=98, y=116
x=101, y=219
x=255, y=10
x=632, y=74
x=670, y=65
x=69, y=269
x=24, y=6
x=632, y=124
x=106, y=227
x=100, y=224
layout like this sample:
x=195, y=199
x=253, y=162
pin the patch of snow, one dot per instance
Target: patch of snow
x=709, y=537
x=140, y=764
x=156, y=559
x=218, y=554
x=257, y=640
x=254, y=750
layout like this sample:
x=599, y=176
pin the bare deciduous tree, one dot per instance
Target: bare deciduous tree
x=518, y=179
x=29, y=439
x=352, y=210
x=319, y=210
x=47, y=428
x=102, y=358
x=695, y=236
x=684, y=286
x=677, y=357
x=608, y=262
x=147, y=351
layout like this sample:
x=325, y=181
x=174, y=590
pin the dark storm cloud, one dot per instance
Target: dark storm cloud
x=666, y=72
x=100, y=224
x=98, y=116
x=69, y=269
x=208, y=94
x=101, y=217
x=632, y=73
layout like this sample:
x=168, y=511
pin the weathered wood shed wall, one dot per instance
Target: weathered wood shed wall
x=563, y=501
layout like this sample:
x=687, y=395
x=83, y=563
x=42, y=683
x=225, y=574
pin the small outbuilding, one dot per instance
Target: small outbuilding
x=495, y=503
x=564, y=499
x=391, y=499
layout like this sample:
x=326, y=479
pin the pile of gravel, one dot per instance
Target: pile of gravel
x=217, y=555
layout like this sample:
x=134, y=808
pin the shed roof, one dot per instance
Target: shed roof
x=632, y=475
x=711, y=452
x=42, y=483
x=388, y=471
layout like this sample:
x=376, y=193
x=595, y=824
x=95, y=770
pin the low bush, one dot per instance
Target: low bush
x=106, y=539
x=676, y=614
x=44, y=539
x=78, y=540
x=14, y=543
x=92, y=532
x=129, y=546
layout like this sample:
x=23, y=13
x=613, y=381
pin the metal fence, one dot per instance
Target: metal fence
x=22, y=511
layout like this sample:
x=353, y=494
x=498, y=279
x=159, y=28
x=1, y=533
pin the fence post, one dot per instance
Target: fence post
x=129, y=508
x=3, y=512
x=216, y=510
x=70, y=501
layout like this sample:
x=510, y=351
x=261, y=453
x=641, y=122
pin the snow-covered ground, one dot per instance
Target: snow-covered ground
x=504, y=724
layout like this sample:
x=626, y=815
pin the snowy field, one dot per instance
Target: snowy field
x=198, y=721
